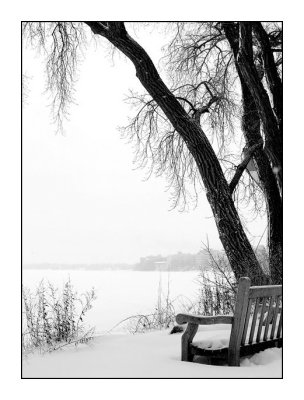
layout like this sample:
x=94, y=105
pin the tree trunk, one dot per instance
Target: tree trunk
x=273, y=135
x=236, y=244
x=251, y=130
x=272, y=76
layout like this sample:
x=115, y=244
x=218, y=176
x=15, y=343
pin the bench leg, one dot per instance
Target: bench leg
x=187, y=338
x=234, y=357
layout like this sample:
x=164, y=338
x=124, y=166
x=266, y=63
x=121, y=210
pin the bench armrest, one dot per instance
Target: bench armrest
x=201, y=320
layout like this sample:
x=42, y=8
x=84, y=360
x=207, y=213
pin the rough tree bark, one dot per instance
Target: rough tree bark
x=235, y=242
x=252, y=134
x=273, y=134
x=271, y=72
x=251, y=129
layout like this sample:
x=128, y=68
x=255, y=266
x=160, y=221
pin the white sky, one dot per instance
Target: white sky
x=83, y=202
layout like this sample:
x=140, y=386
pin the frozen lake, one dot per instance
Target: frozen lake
x=120, y=294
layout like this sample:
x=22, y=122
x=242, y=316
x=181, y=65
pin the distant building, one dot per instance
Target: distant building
x=161, y=265
x=148, y=263
x=174, y=262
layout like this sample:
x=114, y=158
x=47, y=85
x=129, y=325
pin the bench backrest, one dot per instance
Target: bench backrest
x=257, y=308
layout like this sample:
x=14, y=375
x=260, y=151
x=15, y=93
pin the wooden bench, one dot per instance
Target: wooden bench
x=256, y=325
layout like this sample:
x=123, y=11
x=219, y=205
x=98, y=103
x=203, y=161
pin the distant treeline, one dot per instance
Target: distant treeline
x=79, y=266
x=175, y=262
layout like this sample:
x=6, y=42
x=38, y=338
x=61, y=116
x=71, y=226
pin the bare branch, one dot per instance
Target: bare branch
x=205, y=109
x=62, y=44
x=241, y=167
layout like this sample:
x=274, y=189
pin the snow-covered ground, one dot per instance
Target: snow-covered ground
x=152, y=355
x=149, y=355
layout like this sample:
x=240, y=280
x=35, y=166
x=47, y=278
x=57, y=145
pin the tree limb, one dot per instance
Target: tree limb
x=187, y=101
x=241, y=167
x=197, y=114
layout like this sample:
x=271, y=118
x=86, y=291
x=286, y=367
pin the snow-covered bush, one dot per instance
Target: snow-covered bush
x=217, y=287
x=51, y=320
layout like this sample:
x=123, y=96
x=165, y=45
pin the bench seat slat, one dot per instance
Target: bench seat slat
x=246, y=322
x=263, y=291
x=254, y=318
x=280, y=325
x=268, y=318
x=274, y=317
x=258, y=337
